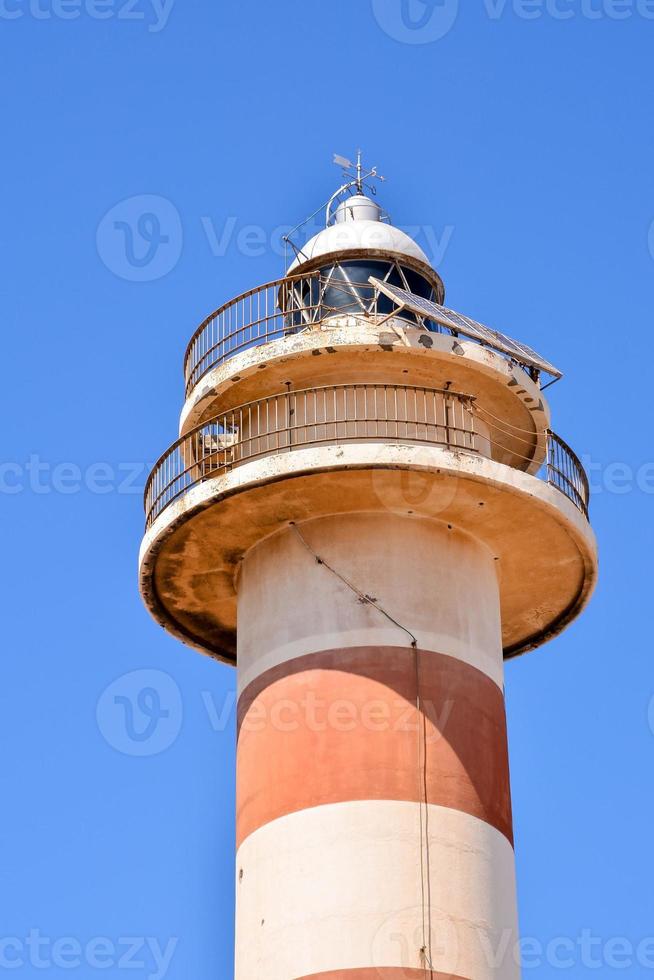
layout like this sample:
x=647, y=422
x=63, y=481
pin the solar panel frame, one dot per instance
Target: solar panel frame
x=459, y=323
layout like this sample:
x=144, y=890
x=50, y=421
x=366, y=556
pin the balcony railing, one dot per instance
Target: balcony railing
x=564, y=470
x=333, y=416
x=289, y=306
x=270, y=312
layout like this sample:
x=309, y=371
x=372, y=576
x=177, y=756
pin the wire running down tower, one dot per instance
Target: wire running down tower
x=366, y=513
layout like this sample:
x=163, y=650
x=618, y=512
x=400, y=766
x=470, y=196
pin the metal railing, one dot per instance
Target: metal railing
x=315, y=416
x=271, y=312
x=564, y=471
x=332, y=416
x=289, y=306
x=247, y=321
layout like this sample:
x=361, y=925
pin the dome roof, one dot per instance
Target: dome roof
x=358, y=227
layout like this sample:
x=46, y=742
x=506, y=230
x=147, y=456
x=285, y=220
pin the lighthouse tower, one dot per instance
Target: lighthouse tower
x=366, y=513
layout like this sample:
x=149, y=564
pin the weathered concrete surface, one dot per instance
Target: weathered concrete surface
x=349, y=350
x=544, y=547
x=440, y=582
x=341, y=887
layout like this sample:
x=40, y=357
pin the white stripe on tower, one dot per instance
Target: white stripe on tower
x=342, y=869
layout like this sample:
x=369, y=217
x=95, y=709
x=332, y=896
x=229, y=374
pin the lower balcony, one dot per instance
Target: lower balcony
x=344, y=414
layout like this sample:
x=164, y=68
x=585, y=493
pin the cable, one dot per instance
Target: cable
x=496, y=418
x=424, y=823
x=360, y=595
x=425, y=876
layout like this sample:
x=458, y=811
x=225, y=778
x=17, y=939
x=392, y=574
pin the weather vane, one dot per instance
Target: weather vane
x=360, y=177
x=356, y=176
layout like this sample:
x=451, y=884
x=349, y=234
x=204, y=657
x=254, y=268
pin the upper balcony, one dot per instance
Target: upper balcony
x=295, y=304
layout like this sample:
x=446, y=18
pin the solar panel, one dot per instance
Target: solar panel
x=459, y=323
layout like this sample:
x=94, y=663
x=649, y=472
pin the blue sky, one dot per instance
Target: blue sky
x=517, y=137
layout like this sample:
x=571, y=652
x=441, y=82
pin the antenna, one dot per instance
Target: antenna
x=353, y=179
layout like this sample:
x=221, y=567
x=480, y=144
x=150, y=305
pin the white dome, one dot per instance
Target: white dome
x=357, y=208
x=354, y=231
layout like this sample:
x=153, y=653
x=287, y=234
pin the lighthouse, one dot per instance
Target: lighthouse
x=366, y=513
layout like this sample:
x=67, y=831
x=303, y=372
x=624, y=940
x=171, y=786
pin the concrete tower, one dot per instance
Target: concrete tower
x=366, y=513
